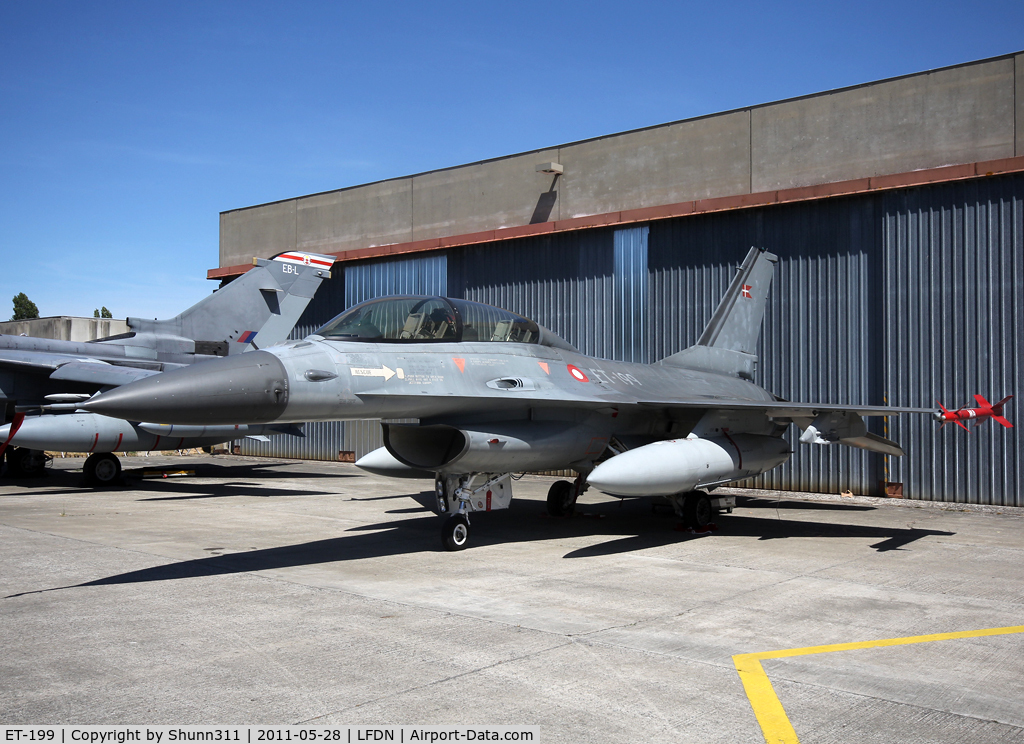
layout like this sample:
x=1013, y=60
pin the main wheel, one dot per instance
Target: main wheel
x=697, y=510
x=102, y=469
x=561, y=499
x=455, y=532
x=25, y=462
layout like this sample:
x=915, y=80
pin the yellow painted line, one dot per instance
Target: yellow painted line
x=768, y=709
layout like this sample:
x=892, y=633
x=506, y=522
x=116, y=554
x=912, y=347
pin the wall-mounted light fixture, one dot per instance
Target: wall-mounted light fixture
x=555, y=169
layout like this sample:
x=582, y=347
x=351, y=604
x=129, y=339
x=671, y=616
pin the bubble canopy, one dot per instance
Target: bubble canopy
x=421, y=319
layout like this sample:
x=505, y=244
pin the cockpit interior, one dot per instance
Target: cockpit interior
x=418, y=319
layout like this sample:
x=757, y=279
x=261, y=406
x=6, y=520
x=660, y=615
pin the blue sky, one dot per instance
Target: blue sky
x=127, y=127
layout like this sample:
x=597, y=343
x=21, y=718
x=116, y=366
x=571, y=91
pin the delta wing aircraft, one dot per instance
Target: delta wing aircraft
x=496, y=394
x=48, y=379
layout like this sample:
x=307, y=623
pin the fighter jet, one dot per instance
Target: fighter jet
x=49, y=379
x=494, y=394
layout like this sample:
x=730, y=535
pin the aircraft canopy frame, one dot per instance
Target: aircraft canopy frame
x=402, y=319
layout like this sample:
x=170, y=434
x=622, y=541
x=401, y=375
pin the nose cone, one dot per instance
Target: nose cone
x=250, y=388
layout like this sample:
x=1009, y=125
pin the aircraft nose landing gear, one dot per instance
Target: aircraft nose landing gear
x=457, y=496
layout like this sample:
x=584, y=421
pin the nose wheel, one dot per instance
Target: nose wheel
x=455, y=532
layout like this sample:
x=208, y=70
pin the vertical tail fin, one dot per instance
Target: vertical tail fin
x=257, y=309
x=736, y=324
x=729, y=342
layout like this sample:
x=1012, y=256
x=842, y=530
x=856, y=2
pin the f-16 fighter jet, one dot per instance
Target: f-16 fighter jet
x=497, y=394
x=48, y=379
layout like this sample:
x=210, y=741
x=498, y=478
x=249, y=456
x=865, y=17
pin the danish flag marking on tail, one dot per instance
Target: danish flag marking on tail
x=745, y=292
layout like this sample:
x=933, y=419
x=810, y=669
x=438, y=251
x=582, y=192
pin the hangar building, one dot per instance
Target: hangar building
x=896, y=208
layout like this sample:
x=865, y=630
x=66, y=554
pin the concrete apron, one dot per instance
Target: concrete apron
x=283, y=592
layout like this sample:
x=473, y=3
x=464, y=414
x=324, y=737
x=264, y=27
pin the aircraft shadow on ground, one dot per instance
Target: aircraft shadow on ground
x=59, y=482
x=757, y=502
x=631, y=528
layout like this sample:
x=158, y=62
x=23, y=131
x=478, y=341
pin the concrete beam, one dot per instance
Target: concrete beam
x=923, y=177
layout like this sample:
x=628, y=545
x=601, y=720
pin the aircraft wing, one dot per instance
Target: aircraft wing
x=24, y=360
x=821, y=423
x=783, y=408
x=71, y=368
x=98, y=373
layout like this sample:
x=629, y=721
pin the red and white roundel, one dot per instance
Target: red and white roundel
x=577, y=373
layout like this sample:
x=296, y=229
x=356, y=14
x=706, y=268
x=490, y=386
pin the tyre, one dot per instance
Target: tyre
x=697, y=513
x=561, y=499
x=455, y=532
x=23, y=462
x=102, y=469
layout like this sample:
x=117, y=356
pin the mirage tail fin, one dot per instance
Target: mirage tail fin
x=729, y=342
x=256, y=310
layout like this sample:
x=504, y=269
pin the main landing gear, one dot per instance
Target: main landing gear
x=563, y=494
x=23, y=462
x=694, y=508
x=101, y=469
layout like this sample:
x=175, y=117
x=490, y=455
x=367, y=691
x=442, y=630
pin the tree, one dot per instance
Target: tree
x=24, y=308
x=104, y=313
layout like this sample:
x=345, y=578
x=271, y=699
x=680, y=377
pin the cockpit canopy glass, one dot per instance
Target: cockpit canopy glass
x=430, y=320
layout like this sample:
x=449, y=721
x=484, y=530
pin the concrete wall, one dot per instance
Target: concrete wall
x=963, y=114
x=64, y=328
